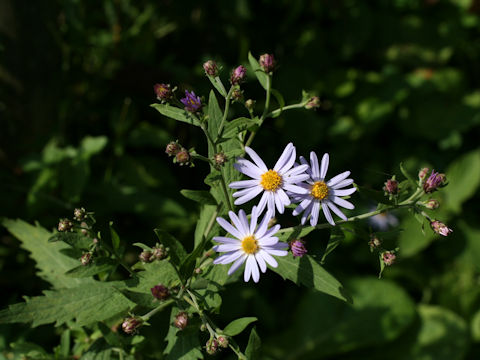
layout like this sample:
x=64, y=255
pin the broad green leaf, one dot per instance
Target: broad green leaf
x=176, y=250
x=252, y=352
x=97, y=266
x=74, y=239
x=51, y=262
x=259, y=73
x=309, y=273
x=215, y=116
x=463, y=180
x=86, y=304
x=234, y=127
x=182, y=344
x=238, y=325
x=200, y=196
x=176, y=114
x=157, y=272
x=412, y=240
x=280, y=100
x=336, y=236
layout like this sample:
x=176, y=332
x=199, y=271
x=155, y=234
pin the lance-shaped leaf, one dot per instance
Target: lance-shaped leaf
x=238, y=125
x=176, y=250
x=201, y=196
x=215, y=116
x=176, y=114
x=74, y=239
x=254, y=345
x=238, y=325
x=259, y=73
x=336, y=235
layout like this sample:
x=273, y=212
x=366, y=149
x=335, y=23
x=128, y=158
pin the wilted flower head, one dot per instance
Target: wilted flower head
x=391, y=186
x=160, y=292
x=220, y=159
x=237, y=94
x=181, y=320
x=131, y=324
x=297, y=246
x=183, y=157
x=222, y=341
x=211, y=346
x=389, y=257
x=383, y=221
x=434, y=181
x=192, y=102
x=313, y=103
x=65, y=225
x=374, y=242
x=210, y=68
x=440, y=228
x=238, y=75
x=267, y=62
x=79, y=214
x=173, y=147
x=86, y=258
x=163, y=91
x=250, y=104
x=146, y=256
x=159, y=252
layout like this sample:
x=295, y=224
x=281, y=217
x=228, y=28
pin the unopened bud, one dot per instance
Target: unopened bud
x=238, y=75
x=313, y=103
x=267, y=62
x=222, y=341
x=210, y=68
x=95, y=241
x=173, y=147
x=183, y=157
x=163, y=92
x=65, y=225
x=250, y=104
x=160, y=292
x=220, y=159
x=434, y=181
x=297, y=247
x=203, y=327
x=146, y=256
x=181, y=320
x=86, y=258
x=422, y=174
x=391, y=187
x=432, y=204
x=79, y=214
x=388, y=258
x=131, y=324
x=440, y=228
x=237, y=94
x=374, y=242
x=198, y=271
x=159, y=252
x=211, y=346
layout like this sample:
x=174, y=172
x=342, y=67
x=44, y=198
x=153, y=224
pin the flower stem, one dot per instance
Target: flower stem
x=225, y=113
x=288, y=107
x=225, y=191
x=265, y=110
x=159, y=308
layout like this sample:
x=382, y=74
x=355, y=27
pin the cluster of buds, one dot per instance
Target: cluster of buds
x=65, y=225
x=79, y=214
x=181, y=155
x=267, y=62
x=159, y=252
x=440, y=228
x=192, y=102
x=146, y=256
x=211, y=68
x=181, y=320
x=391, y=186
x=86, y=258
x=238, y=75
x=313, y=103
x=297, y=247
x=211, y=346
x=160, y=292
x=131, y=324
x=374, y=242
x=434, y=181
x=389, y=257
x=220, y=159
x=163, y=92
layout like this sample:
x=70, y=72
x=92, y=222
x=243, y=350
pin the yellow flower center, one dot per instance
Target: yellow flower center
x=319, y=190
x=271, y=180
x=249, y=244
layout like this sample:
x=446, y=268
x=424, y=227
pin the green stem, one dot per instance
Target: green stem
x=288, y=107
x=225, y=190
x=159, y=308
x=265, y=110
x=225, y=112
x=203, y=158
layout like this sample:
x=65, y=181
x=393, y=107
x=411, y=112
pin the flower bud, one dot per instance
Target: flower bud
x=388, y=258
x=131, y=324
x=422, y=174
x=159, y=252
x=95, y=241
x=163, y=91
x=160, y=292
x=220, y=159
x=374, y=242
x=440, y=228
x=211, y=346
x=146, y=256
x=210, y=68
x=431, y=204
x=391, y=187
x=313, y=103
x=84, y=228
x=192, y=102
x=198, y=271
x=79, y=214
x=65, y=225
x=183, y=157
x=173, y=147
x=238, y=75
x=86, y=258
x=297, y=246
x=222, y=341
x=237, y=94
x=434, y=181
x=181, y=320
x=267, y=62
x=250, y=104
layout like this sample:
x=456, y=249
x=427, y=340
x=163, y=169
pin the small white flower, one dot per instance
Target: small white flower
x=251, y=244
x=274, y=183
x=322, y=193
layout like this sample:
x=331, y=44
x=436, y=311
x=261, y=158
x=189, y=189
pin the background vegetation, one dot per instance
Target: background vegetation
x=399, y=82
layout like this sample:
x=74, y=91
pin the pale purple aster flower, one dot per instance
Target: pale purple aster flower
x=274, y=183
x=251, y=244
x=434, y=181
x=440, y=228
x=323, y=194
x=192, y=102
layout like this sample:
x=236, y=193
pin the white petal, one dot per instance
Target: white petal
x=246, y=191
x=336, y=210
x=243, y=184
x=276, y=252
x=296, y=170
x=227, y=258
x=262, y=227
x=343, y=183
x=237, y=264
x=248, y=270
x=227, y=247
x=229, y=228
x=289, y=163
x=315, y=212
x=283, y=197
x=284, y=157
x=267, y=241
x=225, y=240
x=344, y=192
x=268, y=258
x=253, y=268
x=249, y=196
x=279, y=203
x=273, y=230
x=343, y=203
x=238, y=224
x=327, y=214
x=248, y=168
x=295, y=179
x=295, y=189
x=259, y=162
x=253, y=220
x=302, y=206
x=271, y=202
x=243, y=219
x=307, y=212
x=336, y=179
x=324, y=166
x=262, y=203
x=314, y=164
x=261, y=262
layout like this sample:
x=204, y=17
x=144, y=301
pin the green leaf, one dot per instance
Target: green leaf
x=280, y=100
x=92, y=145
x=98, y=266
x=74, y=239
x=238, y=125
x=86, y=304
x=182, y=344
x=336, y=236
x=188, y=264
x=51, y=262
x=176, y=114
x=207, y=214
x=252, y=352
x=200, y=196
x=157, y=272
x=112, y=338
x=308, y=272
x=215, y=116
x=259, y=73
x=412, y=240
x=238, y=325
x=176, y=250
x=407, y=175
x=217, y=83
x=115, y=238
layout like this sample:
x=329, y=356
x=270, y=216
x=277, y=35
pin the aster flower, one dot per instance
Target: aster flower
x=274, y=183
x=251, y=244
x=434, y=181
x=192, y=102
x=322, y=193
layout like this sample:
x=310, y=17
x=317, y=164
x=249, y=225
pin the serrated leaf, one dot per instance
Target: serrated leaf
x=176, y=250
x=201, y=196
x=85, y=304
x=280, y=100
x=234, y=127
x=238, y=325
x=336, y=236
x=308, y=272
x=259, y=73
x=51, y=262
x=176, y=114
x=97, y=266
x=252, y=352
x=74, y=239
x=182, y=344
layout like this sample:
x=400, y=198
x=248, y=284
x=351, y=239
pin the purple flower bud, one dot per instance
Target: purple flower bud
x=192, y=102
x=432, y=204
x=391, y=187
x=267, y=62
x=160, y=292
x=181, y=320
x=434, y=181
x=238, y=75
x=297, y=247
x=313, y=103
x=163, y=91
x=183, y=157
x=146, y=256
x=210, y=68
x=79, y=214
x=220, y=159
x=159, y=252
x=65, y=225
x=422, y=174
x=222, y=341
x=440, y=228
x=86, y=258
x=173, y=147
x=131, y=324
x=388, y=258
x=211, y=346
